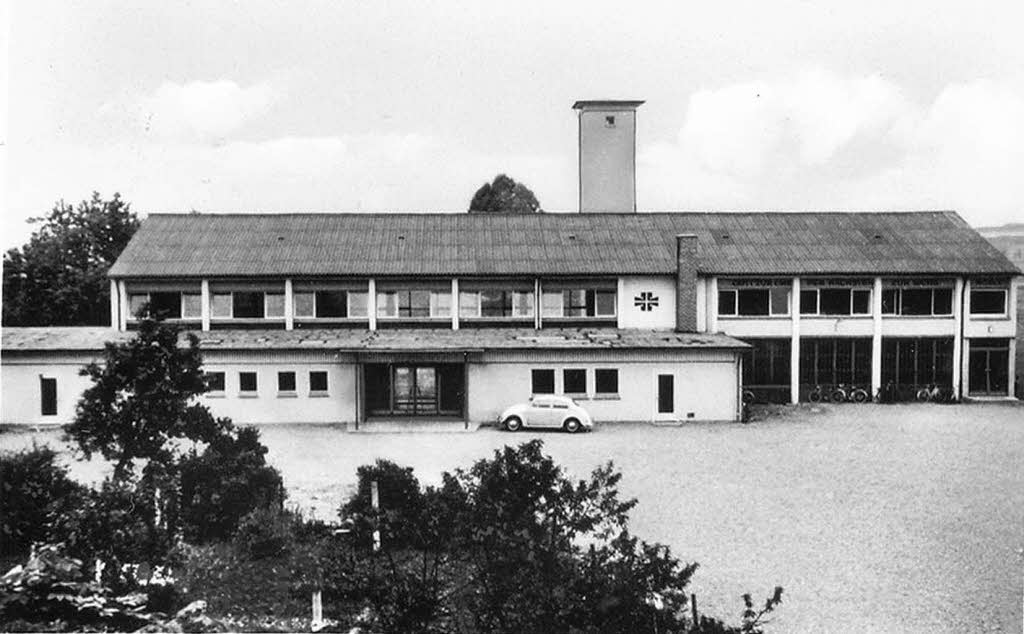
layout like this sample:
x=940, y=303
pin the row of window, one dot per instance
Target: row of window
x=248, y=383
x=574, y=381
x=856, y=301
x=399, y=304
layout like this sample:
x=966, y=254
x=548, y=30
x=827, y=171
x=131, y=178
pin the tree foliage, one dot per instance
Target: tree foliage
x=60, y=277
x=506, y=196
x=510, y=545
x=142, y=398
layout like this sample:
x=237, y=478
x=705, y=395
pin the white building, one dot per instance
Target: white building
x=344, y=318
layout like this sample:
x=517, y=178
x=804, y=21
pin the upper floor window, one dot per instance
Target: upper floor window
x=917, y=301
x=496, y=304
x=247, y=305
x=327, y=304
x=835, y=301
x=579, y=302
x=414, y=304
x=988, y=301
x=747, y=302
x=166, y=304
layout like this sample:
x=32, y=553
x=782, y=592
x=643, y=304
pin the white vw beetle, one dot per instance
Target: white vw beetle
x=553, y=412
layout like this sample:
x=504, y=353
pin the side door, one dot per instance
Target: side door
x=539, y=414
x=666, y=394
x=559, y=412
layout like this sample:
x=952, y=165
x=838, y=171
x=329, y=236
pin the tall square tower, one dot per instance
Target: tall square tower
x=607, y=155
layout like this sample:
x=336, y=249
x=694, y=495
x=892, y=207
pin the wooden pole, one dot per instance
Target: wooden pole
x=375, y=503
x=693, y=607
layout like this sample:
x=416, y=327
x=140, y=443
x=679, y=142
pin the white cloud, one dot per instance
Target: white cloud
x=817, y=140
x=205, y=110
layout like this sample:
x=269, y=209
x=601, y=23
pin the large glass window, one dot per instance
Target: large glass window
x=191, y=305
x=917, y=301
x=522, y=303
x=835, y=301
x=988, y=301
x=317, y=381
x=304, y=304
x=247, y=382
x=285, y=381
x=274, y=305
x=495, y=304
x=358, y=304
x=918, y=361
x=579, y=303
x=414, y=304
x=220, y=305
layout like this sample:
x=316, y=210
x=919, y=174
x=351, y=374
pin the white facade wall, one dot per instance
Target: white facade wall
x=21, y=400
x=641, y=287
x=706, y=386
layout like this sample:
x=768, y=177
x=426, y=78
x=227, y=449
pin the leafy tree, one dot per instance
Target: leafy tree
x=59, y=277
x=510, y=545
x=141, y=400
x=504, y=195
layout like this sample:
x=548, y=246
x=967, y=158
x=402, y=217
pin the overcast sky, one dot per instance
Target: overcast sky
x=377, y=106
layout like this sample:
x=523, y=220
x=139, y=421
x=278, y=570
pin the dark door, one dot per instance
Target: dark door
x=666, y=394
x=48, y=394
x=989, y=368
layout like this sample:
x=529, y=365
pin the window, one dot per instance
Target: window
x=809, y=302
x=191, y=305
x=48, y=396
x=469, y=304
x=749, y=302
x=358, y=304
x=247, y=305
x=414, y=304
x=522, y=304
x=606, y=381
x=304, y=304
x=165, y=305
x=274, y=305
x=988, y=301
x=318, y=381
x=247, y=382
x=579, y=302
x=136, y=302
x=221, y=305
x=285, y=381
x=215, y=381
x=496, y=303
x=331, y=304
x=917, y=301
x=835, y=301
x=574, y=381
x=917, y=361
x=543, y=381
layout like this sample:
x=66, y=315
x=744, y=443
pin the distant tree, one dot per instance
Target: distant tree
x=504, y=195
x=60, y=277
x=142, y=399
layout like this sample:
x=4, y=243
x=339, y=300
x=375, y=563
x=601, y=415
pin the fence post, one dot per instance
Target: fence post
x=375, y=503
x=693, y=607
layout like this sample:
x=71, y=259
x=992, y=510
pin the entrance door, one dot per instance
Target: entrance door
x=415, y=390
x=666, y=394
x=989, y=367
x=408, y=389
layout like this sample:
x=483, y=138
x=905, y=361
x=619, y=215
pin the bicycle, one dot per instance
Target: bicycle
x=931, y=393
x=839, y=394
x=816, y=395
x=859, y=395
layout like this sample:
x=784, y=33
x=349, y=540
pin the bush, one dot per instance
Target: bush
x=227, y=481
x=35, y=491
x=265, y=532
x=401, y=504
x=117, y=524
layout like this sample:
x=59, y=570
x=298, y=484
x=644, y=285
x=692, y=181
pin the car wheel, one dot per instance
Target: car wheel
x=513, y=423
x=572, y=425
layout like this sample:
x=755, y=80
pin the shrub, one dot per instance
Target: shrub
x=116, y=524
x=227, y=481
x=265, y=532
x=35, y=491
x=401, y=504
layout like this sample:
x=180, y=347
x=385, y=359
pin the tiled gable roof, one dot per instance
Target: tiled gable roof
x=247, y=245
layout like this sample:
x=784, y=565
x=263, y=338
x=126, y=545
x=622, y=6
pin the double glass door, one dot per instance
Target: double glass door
x=415, y=390
x=989, y=367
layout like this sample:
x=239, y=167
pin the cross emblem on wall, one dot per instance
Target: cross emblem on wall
x=646, y=301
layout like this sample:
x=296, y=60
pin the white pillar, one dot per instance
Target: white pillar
x=713, y=304
x=794, y=343
x=122, y=291
x=289, y=305
x=958, y=335
x=702, y=305
x=455, y=303
x=876, y=337
x=115, y=319
x=965, y=343
x=371, y=302
x=204, y=303
x=1011, y=310
x=538, y=304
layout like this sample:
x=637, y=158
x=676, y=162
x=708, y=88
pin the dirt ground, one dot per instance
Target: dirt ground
x=881, y=518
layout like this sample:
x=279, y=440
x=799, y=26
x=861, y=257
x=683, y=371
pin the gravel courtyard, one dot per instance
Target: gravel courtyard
x=873, y=518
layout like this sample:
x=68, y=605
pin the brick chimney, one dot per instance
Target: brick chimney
x=686, y=282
